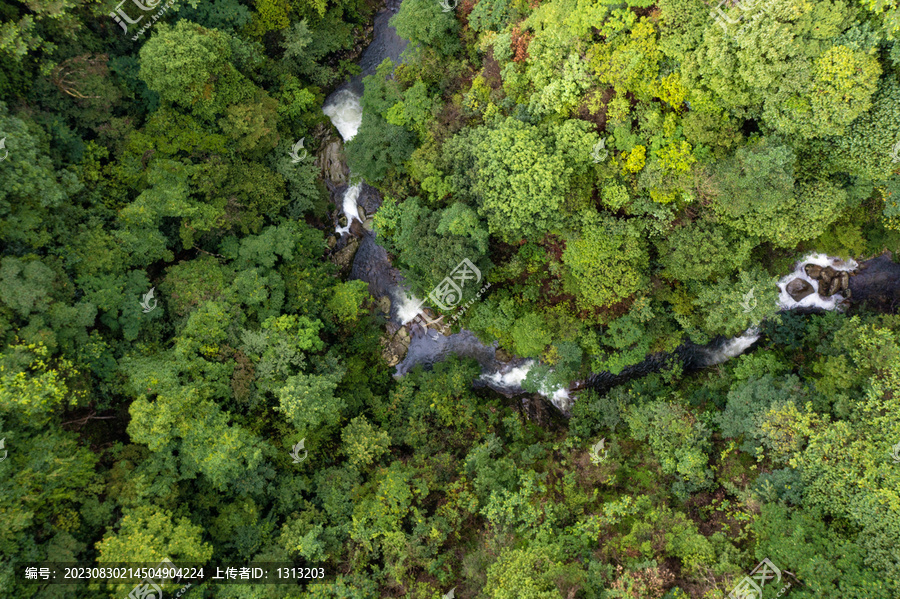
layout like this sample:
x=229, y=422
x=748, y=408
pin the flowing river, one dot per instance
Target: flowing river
x=371, y=262
x=427, y=346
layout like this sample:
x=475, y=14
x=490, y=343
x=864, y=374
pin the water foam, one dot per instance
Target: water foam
x=733, y=347
x=813, y=300
x=345, y=112
x=510, y=380
x=349, y=206
x=408, y=305
x=738, y=345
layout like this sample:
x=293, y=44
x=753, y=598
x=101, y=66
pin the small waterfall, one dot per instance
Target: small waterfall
x=732, y=348
x=350, y=207
x=510, y=380
x=561, y=400
x=738, y=345
x=408, y=305
x=345, y=111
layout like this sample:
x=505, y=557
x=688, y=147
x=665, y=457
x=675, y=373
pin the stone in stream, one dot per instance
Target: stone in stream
x=829, y=282
x=384, y=304
x=369, y=224
x=394, y=344
x=369, y=199
x=798, y=289
x=331, y=160
x=344, y=258
x=812, y=270
x=356, y=228
x=502, y=355
x=361, y=212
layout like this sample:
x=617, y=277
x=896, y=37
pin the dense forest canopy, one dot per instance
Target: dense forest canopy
x=178, y=322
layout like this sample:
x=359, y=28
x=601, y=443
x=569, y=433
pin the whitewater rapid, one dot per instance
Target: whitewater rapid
x=344, y=110
x=738, y=345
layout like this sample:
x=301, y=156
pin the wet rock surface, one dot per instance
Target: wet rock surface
x=395, y=344
x=344, y=257
x=332, y=162
x=876, y=284
x=373, y=266
x=429, y=346
x=798, y=289
x=830, y=281
x=369, y=200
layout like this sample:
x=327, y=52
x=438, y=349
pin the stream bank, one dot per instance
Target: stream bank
x=817, y=282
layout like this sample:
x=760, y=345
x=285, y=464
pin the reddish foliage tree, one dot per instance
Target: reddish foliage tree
x=519, y=41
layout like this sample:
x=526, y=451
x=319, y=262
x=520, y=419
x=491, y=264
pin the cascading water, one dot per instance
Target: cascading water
x=732, y=348
x=738, y=345
x=815, y=299
x=408, y=305
x=426, y=347
x=343, y=107
x=345, y=111
x=350, y=207
x=510, y=380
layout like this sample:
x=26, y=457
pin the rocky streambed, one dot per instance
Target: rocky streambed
x=817, y=281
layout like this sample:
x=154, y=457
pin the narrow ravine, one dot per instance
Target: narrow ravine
x=818, y=282
x=418, y=344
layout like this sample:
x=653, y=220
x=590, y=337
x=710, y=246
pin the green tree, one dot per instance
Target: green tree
x=787, y=60
x=431, y=244
x=424, y=22
x=149, y=534
x=363, y=443
x=702, y=251
x=607, y=262
x=37, y=195
x=679, y=441
x=864, y=149
x=524, y=180
x=756, y=194
x=188, y=65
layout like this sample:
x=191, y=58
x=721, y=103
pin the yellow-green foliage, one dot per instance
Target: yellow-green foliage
x=270, y=15
x=32, y=386
x=672, y=91
x=346, y=303
x=478, y=96
x=629, y=64
x=363, y=443
x=634, y=160
x=676, y=157
x=606, y=262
